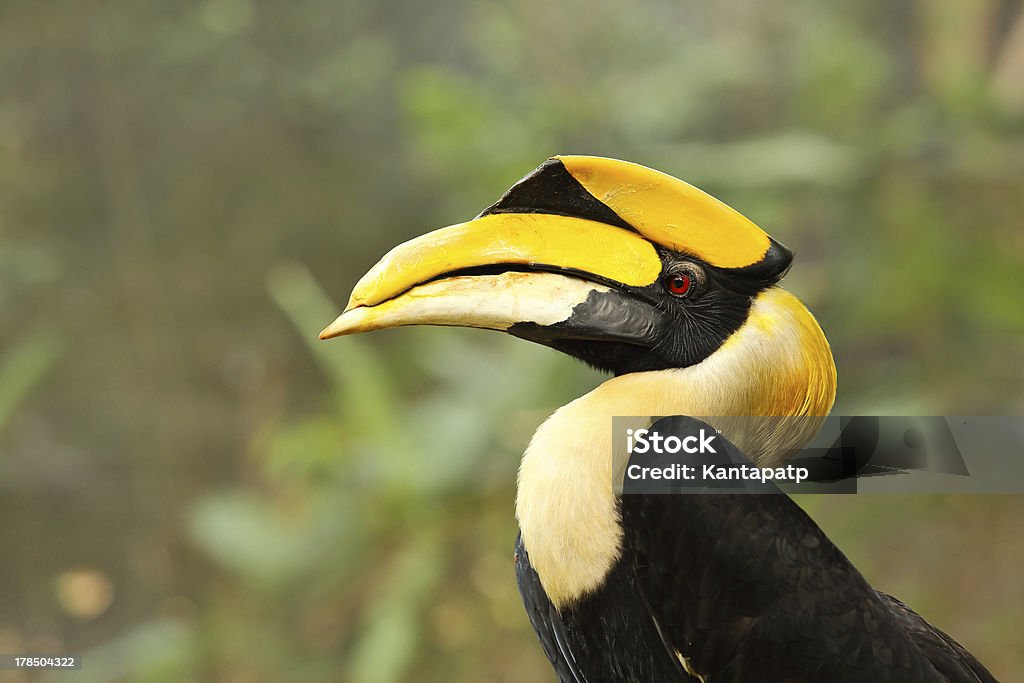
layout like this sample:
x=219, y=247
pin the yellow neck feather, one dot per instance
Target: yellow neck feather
x=777, y=364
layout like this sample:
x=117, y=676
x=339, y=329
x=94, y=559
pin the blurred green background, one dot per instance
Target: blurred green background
x=192, y=488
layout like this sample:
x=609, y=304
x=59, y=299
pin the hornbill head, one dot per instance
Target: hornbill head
x=621, y=266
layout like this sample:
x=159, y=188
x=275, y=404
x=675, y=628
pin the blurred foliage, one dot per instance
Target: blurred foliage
x=193, y=488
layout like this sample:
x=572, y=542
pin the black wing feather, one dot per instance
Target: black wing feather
x=748, y=588
x=544, y=619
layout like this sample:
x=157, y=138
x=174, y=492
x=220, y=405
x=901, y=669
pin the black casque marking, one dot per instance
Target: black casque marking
x=770, y=269
x=550, y=188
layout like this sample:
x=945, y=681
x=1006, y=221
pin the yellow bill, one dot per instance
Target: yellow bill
x=428, y=280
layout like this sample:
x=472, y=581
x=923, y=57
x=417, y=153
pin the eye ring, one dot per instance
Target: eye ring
x=683, y=281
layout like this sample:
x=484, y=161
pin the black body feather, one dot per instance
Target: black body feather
x=746, y=588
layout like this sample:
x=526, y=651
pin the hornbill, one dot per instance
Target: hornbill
x=642, y=275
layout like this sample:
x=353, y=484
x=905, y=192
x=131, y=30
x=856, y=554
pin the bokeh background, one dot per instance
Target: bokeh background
x=192, y=488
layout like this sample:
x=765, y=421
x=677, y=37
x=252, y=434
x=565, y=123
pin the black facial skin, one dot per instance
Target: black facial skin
x=634, y=329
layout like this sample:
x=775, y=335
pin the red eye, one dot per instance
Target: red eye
x=679, y=284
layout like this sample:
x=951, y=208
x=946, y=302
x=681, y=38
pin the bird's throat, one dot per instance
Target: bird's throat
x=778, y=364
